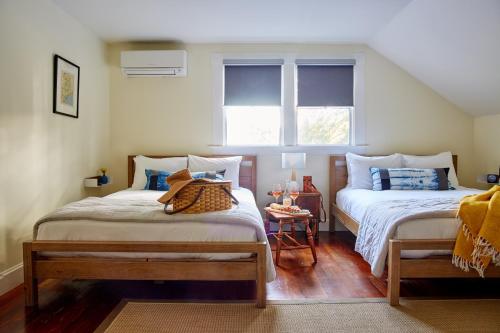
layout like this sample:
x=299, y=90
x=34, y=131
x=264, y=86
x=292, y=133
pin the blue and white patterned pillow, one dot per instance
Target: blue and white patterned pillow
x=215, y=175
x=157, y=180
x=410, y=179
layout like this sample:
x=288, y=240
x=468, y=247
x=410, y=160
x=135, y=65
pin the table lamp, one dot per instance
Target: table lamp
x=293, y=161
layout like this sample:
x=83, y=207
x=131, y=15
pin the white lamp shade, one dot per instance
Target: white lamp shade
x=293, y=160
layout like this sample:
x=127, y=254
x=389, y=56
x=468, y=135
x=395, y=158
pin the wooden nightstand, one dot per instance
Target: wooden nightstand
x=312, y=202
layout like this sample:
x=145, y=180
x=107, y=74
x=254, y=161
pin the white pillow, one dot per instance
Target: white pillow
x=171, y=164
x=230, y=164
x=442, y=160
x=358, y=168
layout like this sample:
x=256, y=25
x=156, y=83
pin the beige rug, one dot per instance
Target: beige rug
x=410, y=316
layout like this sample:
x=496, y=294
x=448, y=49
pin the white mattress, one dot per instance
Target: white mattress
x=151, y=231
x=356, y=201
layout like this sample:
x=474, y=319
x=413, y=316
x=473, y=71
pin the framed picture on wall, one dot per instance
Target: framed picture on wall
x=66, y=87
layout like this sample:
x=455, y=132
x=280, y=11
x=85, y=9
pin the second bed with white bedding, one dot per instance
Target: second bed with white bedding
x=361, y=203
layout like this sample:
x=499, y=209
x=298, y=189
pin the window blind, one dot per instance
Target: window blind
x=326, y=84
x=252, y=84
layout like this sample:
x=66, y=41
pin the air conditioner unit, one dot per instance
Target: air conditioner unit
x=154, y=63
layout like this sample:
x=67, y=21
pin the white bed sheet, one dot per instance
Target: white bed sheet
x=356, y=201
x=151, y=231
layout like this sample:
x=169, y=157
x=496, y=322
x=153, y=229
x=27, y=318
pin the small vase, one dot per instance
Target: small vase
x=104, y=179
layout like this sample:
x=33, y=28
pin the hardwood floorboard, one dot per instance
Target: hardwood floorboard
x=80, y=306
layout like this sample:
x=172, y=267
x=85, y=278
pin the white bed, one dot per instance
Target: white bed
x=191, y=231
x=389, y=223
x=356, y=203
x=128, y=236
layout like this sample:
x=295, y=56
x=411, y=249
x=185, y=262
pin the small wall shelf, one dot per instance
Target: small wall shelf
x=486, y=183
x=482, y=180
x=94, y=182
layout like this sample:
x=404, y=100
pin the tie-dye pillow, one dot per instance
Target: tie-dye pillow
x=410, y=179
x=215, y=175
x=157, y=180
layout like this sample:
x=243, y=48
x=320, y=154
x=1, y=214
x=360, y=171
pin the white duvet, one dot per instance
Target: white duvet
x=383, y=215
x=135, y=215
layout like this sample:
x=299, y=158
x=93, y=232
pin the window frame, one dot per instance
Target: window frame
x=288, y=128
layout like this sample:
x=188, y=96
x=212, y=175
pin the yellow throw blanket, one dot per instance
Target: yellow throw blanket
x=478, y=241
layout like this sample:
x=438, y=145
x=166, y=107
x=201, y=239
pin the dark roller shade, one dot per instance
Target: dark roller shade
x=325, y=85
x=252, y=85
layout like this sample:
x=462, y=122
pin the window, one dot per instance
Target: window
x=288, y=101
x=323, y=125
x=253, y=125
x=325, y=101
x=252, y=102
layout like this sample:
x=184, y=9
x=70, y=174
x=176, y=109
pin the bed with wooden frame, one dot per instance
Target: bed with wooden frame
x=37, y=267
x=400, y=268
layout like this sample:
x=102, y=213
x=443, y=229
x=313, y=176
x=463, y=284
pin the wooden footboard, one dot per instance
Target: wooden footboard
x=400, y=268
x=38, y=267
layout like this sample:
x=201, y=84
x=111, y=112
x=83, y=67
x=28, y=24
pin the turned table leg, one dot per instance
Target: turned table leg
x=310, y=240
x=267, y=223
x=292, y=229
x=279, y=238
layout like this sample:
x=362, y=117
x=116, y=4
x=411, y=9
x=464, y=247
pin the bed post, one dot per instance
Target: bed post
x=30, y=281
x=332, y=193
x=393, y=283
x=261, y=275
x=331, y=224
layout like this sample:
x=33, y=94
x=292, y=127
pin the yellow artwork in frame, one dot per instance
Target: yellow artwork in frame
x=67, y=88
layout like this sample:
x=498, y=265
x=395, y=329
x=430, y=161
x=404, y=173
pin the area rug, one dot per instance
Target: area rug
x=378, y=316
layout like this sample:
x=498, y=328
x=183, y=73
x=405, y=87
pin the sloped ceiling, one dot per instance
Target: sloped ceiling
x=453, y=46
x=200, y=21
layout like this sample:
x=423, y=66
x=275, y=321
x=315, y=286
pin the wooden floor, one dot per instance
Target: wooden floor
x=80, y=306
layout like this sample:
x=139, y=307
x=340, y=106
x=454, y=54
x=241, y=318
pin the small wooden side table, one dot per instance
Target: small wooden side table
x=312, y=202
x=284, y=219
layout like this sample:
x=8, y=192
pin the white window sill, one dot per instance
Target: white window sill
x=312, y=149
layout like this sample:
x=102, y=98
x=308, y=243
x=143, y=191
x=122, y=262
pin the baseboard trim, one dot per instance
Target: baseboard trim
x=11, y=278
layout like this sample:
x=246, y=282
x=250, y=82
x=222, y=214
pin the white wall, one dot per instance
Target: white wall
x=174, y=115
x=43, y=156
x=487, y=144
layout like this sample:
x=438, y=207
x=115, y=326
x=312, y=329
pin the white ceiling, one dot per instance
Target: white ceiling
x=451, y=45
x=195, y=21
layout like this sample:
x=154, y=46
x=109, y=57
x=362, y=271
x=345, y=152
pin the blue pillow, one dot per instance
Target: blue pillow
x=410, y=179
x=157, y=180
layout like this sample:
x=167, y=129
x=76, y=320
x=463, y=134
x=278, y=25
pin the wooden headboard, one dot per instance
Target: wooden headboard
x=248, y=170
x=338, y=174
